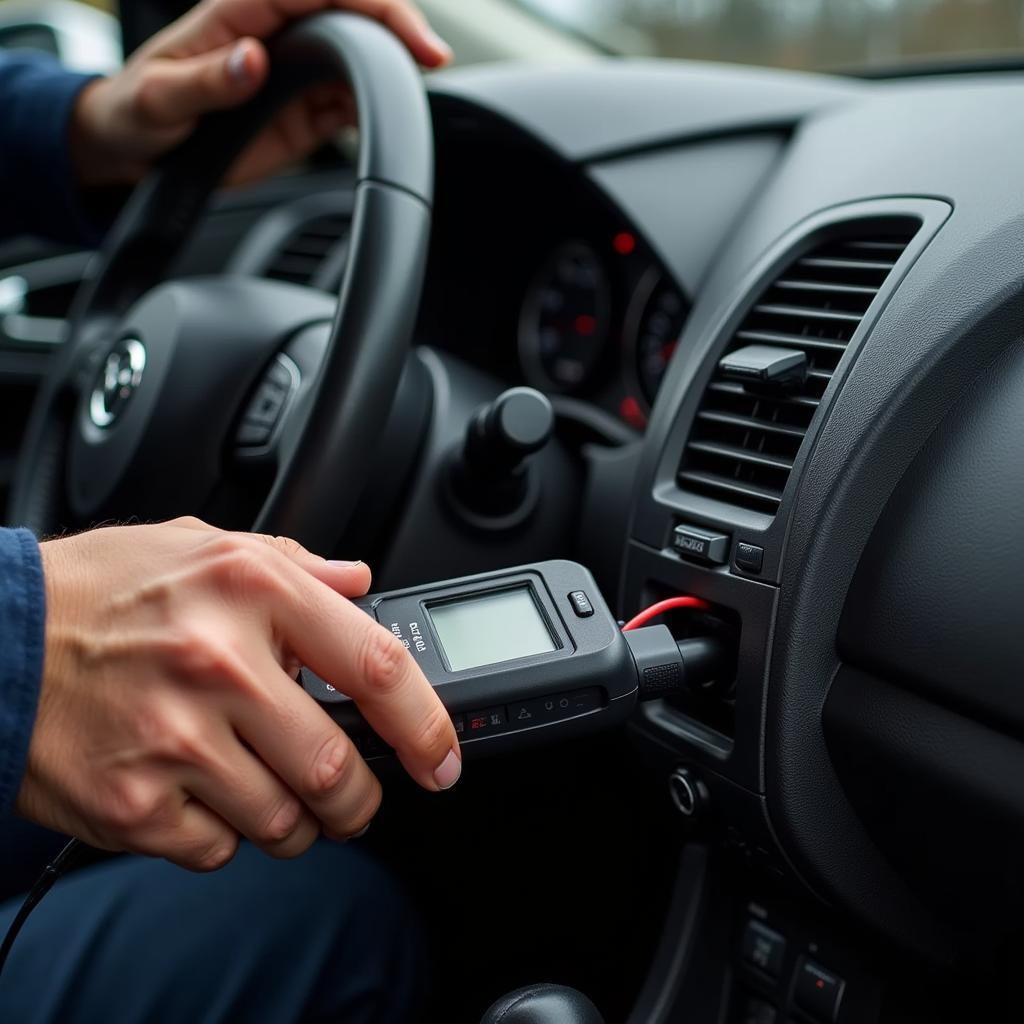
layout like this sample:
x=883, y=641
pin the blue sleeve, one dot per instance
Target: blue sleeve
x=22, y=637
x=38, y=193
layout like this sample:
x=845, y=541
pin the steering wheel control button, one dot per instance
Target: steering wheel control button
x=764, y=948
x=818, y=992
x=267, y=403
x=581, y=604
x=119, y=379
x=749, y=557
x=703, y=545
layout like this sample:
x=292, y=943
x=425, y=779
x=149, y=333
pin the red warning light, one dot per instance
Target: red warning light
x=631, y=411
x=819, y=983
x=585, y=324
x=624, y=243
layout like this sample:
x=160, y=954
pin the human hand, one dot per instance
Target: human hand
x=212, y=58
x=169, y=719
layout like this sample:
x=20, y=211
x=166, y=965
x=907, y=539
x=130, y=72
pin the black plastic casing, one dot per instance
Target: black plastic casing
x=591, y=653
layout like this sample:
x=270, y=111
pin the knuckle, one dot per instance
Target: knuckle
x=185, y=742
x=130, y=805
x=211, y=854
x=433, y=732
x=200, y=651
x=384, y=661
x=331, y=767
x=282, y=822
x=369, y=809
x=244, y=568
x=146, y=99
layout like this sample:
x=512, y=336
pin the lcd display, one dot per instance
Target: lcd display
x=487, y=628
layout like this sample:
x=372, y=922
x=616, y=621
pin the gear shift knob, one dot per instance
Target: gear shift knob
x=543, y=1004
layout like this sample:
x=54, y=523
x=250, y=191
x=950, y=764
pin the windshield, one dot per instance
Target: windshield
x=818, y=34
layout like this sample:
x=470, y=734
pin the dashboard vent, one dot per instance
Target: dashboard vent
x=744, y=441
x=303, y=254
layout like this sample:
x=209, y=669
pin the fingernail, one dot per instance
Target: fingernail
x=362, y=832
x=447, y=773
x=343, y=563
x=238, y=67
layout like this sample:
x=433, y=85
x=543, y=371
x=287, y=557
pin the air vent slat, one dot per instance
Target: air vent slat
x=826, y=287
x=792, y=340
x=304, y=252
x=740, y=455
x=733, y=487
x=841, y=263
x=749, y=423
x=746, y=438
x=806, y=313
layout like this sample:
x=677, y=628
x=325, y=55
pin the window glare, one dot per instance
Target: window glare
x=797, y=33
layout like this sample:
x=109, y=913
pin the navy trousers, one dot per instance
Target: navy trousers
x=325, y=937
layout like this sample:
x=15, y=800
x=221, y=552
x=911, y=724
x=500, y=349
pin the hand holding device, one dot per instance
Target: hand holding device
x=169, y=720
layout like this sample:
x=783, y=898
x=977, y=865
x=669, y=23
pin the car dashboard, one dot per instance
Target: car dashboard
x=607, y=234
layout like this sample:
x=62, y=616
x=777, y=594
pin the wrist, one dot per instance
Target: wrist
x=96, y=158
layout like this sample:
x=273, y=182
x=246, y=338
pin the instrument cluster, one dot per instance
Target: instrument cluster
x=600, y=320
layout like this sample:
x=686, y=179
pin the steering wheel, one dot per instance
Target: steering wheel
x=151, y=395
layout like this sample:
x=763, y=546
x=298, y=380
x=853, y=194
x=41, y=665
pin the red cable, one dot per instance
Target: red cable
x=664, y=606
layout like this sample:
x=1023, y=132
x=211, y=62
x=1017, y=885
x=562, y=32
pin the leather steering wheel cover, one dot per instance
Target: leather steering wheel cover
x=315, y=493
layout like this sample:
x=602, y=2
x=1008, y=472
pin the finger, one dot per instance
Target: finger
x=248, y=18
x=251, y=799
x=349, y=578
x=177, y=91
x=306, y=749
x=349, y=649
x=195, y=838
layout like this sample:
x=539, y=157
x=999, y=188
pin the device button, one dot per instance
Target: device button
x=818, y=992
x=694, y=542
x=267, y=403
x=763, y=947
x=749, y=557
x=459, y=721
x=581, y=604
x=483, y=723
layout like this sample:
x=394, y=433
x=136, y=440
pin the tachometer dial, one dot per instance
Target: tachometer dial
x=654, y=322
x=563, y=324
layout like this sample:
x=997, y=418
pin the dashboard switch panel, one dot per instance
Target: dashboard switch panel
x=763, y=947
x=818, y=992
x=704, y=545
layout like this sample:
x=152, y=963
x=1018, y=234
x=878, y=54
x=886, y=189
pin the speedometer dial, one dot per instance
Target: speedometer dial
x=563, y=324
x=654, y=322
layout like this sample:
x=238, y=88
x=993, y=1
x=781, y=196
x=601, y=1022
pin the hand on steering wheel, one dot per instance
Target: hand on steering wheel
x=213, y=58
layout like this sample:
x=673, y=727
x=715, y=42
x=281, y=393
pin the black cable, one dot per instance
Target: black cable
x=43, y=885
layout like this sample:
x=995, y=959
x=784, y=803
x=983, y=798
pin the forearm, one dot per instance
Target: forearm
x=37, y=180
x=22, y=639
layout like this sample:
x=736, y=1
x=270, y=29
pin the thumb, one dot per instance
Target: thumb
x=176, y=91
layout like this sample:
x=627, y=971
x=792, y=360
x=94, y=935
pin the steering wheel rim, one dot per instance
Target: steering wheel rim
x=370, y=335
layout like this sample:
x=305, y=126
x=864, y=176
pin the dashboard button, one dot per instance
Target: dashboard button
x=763, y=947
x=749, y=557
x=481, y=723
x=818, y=991
x=705, y=545
x=581, y=604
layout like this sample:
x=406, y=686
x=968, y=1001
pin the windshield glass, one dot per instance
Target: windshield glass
x=830, y=34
